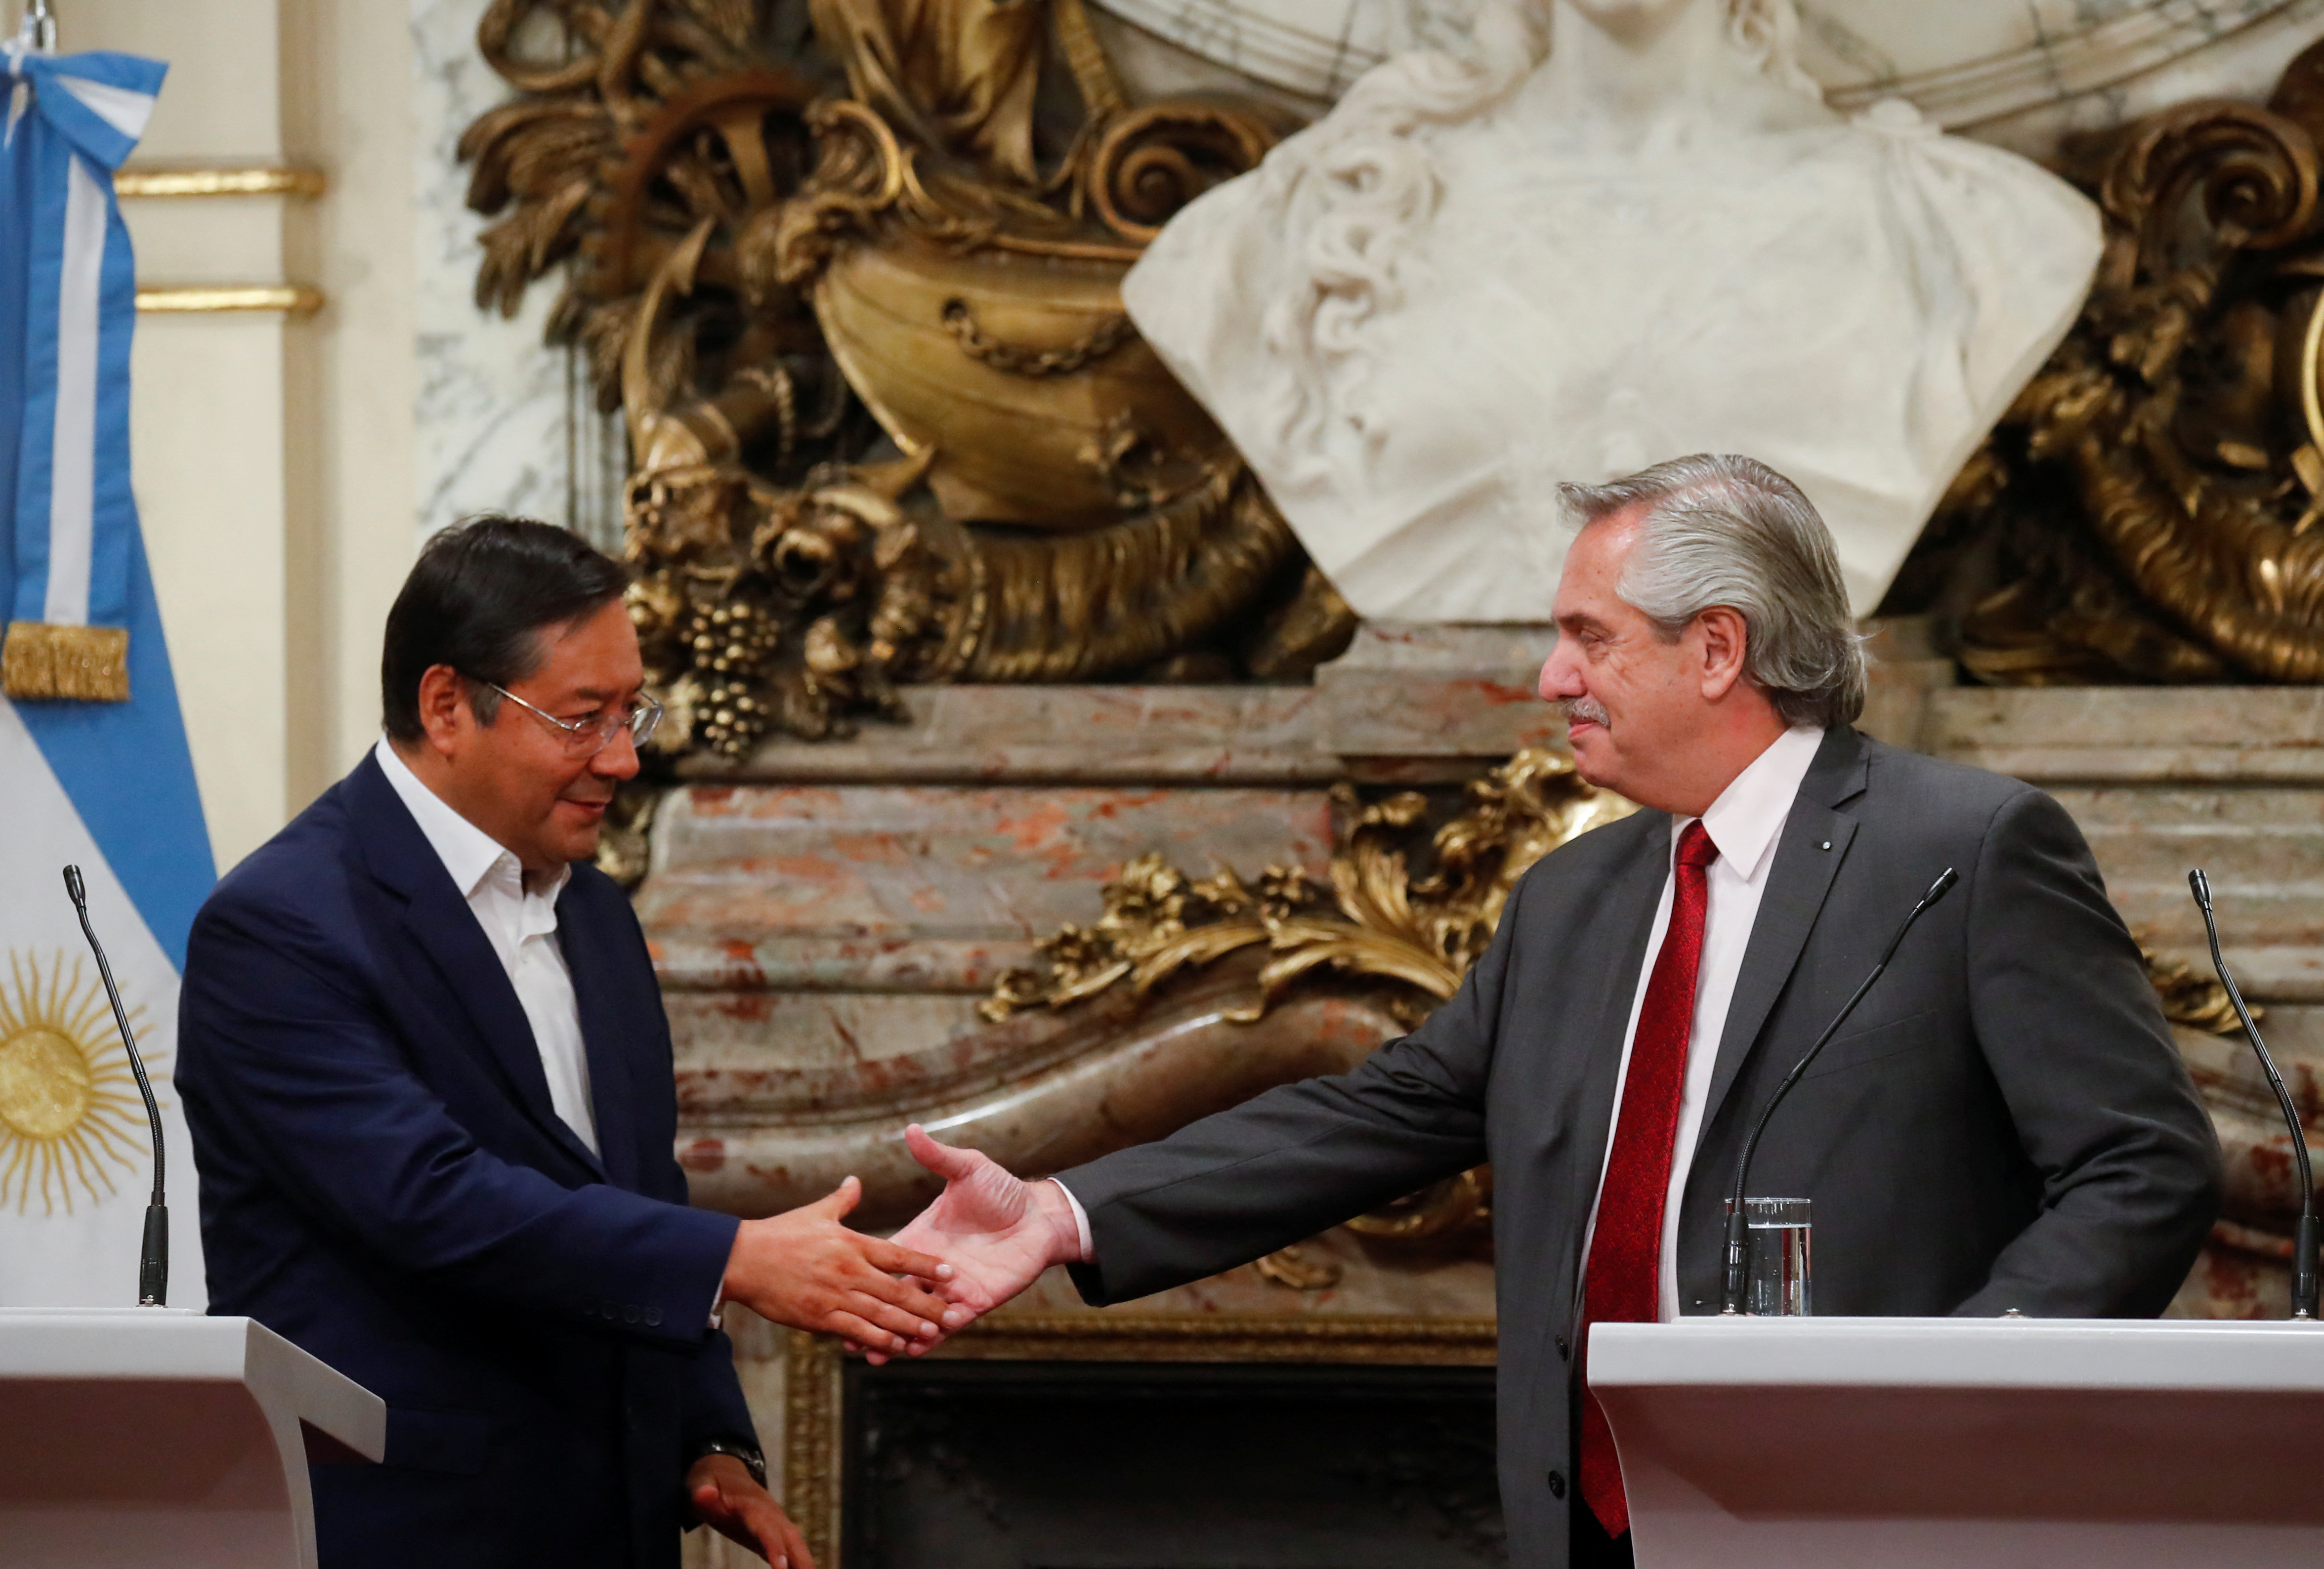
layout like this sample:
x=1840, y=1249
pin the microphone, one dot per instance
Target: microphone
x=153, y=1258
x=1737, y=1234
x=2303, y=1245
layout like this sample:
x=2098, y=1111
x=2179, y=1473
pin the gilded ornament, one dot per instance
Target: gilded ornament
x=2145, y=511
x=1376, y=920
x=888, y=420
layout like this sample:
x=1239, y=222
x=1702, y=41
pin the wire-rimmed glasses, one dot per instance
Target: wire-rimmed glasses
x=585, y=738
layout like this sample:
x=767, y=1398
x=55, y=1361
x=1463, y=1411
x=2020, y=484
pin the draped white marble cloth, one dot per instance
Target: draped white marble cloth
x=1854, y=302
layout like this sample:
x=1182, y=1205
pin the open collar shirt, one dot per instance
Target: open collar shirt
x=518, y=917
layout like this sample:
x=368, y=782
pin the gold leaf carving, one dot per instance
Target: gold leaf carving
x=1375, y=920
x=774, y=282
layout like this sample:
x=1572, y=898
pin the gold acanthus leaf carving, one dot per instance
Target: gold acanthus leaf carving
x=782, y=286
x=2146, y=510
x=1375, y=920
x=2192, y=1000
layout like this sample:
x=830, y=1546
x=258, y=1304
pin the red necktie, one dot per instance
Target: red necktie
x=1623, y=1281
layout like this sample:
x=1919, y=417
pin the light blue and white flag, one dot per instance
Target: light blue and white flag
x=93, y=768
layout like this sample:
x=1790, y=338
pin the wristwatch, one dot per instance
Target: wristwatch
x=752, y=1460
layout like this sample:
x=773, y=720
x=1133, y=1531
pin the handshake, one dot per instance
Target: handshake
x=987, y=1237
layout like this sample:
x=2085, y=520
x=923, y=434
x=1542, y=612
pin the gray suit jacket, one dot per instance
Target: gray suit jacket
x=2005, y=1121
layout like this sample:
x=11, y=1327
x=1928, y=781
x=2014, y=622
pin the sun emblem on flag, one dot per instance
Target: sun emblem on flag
x=70, y=1111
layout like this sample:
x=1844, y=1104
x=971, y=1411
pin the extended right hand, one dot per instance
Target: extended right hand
x=1001, y=1231
x=803, y=1269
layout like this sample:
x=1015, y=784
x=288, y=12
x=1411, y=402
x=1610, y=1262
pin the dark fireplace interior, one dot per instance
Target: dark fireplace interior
x=1110, y=1465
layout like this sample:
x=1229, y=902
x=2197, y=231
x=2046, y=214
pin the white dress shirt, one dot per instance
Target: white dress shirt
x=518, y=917
x=1744, y=822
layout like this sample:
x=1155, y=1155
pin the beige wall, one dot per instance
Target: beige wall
x=273, y=457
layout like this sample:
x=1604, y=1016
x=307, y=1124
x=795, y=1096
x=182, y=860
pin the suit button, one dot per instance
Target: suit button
x=1564, y=1351
x=630, y=1313
x=608, y=1312
x=653, y=1317
x=1556, y=1484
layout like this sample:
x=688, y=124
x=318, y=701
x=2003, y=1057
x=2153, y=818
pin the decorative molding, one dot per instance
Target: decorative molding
x=812, y=1436
x=219, y=182
x=1310, y=1338
x=296, y=300
x=814, y=1427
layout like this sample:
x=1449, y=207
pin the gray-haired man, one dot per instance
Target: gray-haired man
x=2004, y=1124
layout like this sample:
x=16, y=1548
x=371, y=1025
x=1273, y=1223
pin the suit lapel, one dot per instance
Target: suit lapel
x=594, y=973
x=442, y=926
x=1625, y=920
x=1797, y=886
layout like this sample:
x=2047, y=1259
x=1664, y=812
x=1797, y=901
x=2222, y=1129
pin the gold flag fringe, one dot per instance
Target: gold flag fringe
x=42, y=663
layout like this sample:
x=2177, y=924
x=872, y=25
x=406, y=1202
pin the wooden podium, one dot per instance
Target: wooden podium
x=149, y=1435
x=1934, y=1442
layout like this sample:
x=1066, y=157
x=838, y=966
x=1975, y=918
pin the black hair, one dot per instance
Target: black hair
x=477, y=600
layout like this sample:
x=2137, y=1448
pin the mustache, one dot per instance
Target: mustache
x=1581, y=709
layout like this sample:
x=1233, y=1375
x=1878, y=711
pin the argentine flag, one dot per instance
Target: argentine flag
x=93, y=762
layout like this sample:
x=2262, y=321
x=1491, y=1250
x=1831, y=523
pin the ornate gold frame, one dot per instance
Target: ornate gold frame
x=813, y=1365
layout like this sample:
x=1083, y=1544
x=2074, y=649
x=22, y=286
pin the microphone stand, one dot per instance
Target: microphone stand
x=153, y=1258
x=1738, y=1236
x=2303, y=1245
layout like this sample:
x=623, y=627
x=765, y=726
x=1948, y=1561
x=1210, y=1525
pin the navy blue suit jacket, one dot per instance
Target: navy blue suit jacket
x=383, y=1182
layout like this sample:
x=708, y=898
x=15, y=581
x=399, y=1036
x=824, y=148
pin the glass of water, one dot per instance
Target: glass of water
x=1778, y=1282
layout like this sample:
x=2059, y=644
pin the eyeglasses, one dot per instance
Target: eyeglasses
x=585, y=738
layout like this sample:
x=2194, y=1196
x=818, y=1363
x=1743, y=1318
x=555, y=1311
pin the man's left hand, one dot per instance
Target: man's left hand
x=728, y=1500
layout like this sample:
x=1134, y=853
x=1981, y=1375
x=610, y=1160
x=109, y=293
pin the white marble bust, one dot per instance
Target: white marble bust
x=1611, y=231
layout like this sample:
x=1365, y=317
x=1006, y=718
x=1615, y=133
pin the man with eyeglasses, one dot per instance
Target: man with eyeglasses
x=428, y=1079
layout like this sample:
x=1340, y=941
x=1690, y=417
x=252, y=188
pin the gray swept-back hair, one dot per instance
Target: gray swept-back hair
x=1719, y=529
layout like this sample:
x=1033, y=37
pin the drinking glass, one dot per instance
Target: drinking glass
x=1779, y=1281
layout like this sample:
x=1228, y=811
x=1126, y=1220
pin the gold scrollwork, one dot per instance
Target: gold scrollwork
x=2145, y=511
x=1377, y=920
x=774, y=283
x=1151, y=162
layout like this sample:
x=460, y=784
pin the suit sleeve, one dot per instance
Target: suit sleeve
x=288, y=1060
x=1298, y=1159
x=2104, y=1109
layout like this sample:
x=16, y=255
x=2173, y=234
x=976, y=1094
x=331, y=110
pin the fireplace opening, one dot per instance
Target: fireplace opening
x=1181, y=1465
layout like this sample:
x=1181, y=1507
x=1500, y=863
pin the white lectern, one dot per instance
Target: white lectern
x=1934, y=1442
x=148, y=1436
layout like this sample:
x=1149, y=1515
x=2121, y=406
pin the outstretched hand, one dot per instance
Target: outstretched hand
x=998, y=1231
x=803, y=1269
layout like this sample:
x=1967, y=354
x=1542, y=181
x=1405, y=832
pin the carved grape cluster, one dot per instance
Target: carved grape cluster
x=729, y=645
x=731, y=638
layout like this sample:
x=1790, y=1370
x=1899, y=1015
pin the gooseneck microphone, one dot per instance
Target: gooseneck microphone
x=1738, y=1239
x=2303, y=1244
x=153, y=1258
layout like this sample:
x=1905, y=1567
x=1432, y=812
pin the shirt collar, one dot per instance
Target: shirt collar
x=1750, y=813
x=468, y=853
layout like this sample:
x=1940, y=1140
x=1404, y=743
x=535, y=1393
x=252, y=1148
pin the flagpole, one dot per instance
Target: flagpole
x=41, y=21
